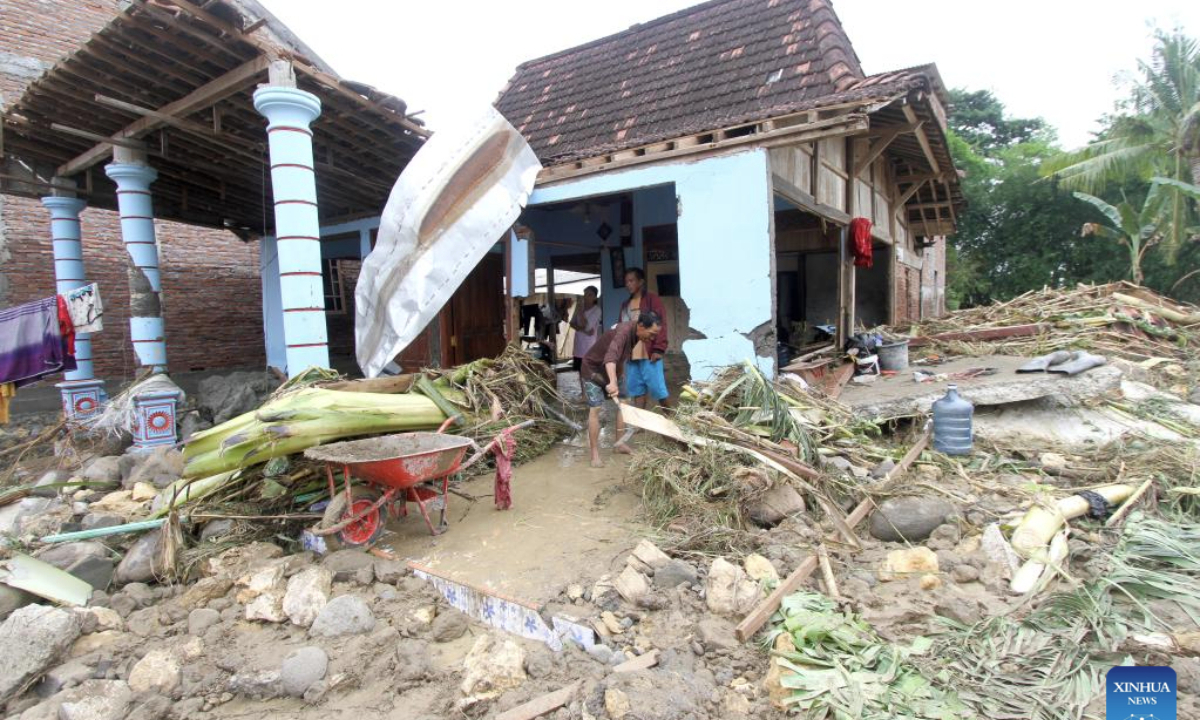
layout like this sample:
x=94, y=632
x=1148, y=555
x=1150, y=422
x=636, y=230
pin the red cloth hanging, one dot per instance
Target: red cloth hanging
x=860, y=234
x=505, y=446
x=65, y=327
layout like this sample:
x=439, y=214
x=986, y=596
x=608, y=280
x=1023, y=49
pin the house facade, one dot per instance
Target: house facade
x=726, y=149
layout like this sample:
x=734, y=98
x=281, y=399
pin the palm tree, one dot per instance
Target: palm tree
x=1158, y=134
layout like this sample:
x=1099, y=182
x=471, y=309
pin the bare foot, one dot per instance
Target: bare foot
x=623, y=449
x=597, y=462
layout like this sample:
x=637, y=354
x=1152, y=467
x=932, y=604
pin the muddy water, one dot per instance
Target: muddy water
x=568, y=522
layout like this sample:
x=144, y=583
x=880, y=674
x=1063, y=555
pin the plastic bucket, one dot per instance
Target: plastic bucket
x=894, y=356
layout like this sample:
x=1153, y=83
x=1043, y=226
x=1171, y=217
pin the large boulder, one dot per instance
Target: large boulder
x=224, y=397
x=88, y=561
x=97, y=700
x=33, y=638
x=909, y=518
x=158, y=671
x=674, y=574
x=775, y=505
x=344, y=615
x=11, y=599
x=104, y=471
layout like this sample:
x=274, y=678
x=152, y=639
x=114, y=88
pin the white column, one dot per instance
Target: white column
x=136, y=208
x=67, y=237
x=289, y=112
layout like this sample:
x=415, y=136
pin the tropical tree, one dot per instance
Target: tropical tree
x=1156, y=133
x=1137, y=229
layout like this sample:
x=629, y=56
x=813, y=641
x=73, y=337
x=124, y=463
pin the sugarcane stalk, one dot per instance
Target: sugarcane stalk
x=1040, y=523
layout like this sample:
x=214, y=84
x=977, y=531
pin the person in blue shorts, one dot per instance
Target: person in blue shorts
x=644, y=376
x=602, y=367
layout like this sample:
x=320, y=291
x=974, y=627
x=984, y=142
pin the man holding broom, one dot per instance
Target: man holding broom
x=601, y=371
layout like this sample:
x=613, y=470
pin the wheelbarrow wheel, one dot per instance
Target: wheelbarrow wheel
x=357, y=534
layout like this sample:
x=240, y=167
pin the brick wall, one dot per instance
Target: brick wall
x=919, y=294
x=212, y=296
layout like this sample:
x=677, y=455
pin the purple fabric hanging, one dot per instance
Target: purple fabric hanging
x=31, y=344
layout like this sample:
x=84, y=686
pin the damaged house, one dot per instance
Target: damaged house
x=726, y=149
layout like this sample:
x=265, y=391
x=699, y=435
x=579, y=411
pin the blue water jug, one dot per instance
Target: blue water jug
x=952, y=423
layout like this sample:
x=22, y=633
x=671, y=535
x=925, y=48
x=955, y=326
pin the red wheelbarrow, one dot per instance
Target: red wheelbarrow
x=398, y=469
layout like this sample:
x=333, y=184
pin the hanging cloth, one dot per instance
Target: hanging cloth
x=860, y=246
x=66, y=327
x=31, y=343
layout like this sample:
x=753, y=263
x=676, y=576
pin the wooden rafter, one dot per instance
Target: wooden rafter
x=880, y=143
x=198, y=99
x=922, y=139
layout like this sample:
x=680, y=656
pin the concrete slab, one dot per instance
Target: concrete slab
x=901, y=396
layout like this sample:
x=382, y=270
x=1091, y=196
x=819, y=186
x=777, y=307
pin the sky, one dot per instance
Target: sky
x=1057, y=59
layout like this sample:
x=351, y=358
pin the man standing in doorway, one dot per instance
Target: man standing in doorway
x=644, y=371
x=602, y=368
x=586, y=322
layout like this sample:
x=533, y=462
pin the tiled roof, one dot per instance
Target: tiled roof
x=718, y=64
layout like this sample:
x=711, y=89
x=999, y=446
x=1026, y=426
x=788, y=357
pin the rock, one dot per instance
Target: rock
x=120, y=504
x=716, y=634
x=908, y=562
x=95, y=521
x=201, y=619
x=238, y=561
x=948, y=533
x=728, y=591
x=261, y=685
x=262, y=580
x=344, y=615
x=882, y=469
x=104, y=471
x=930, y=582
x=142, y=492
x=48, y=485
x=223, y=397
x=67, y=675
x=674, y=574
x=611, y=623
x=450, y=625
x=601, y=653
x=301, y=669
x=97, y=700
x=389, y=571
x=965, y=573
x=773, y=682
x=33, y=638
x=12, y=599
x=106, y=619
x=616, y=703
x=350, y=566
x=631, y=585
x=38, y=516
x=649, y=554
x=960, y=610
x=307, y=595
x=1189, y=642
x=775, y=505
x=539, y=664
x=1053, y=463
x=158, y=671
x=205, y=591
x=735, y=704
x=574, y=592
x=142, y=563
x=909, y=518
x=412, y=660
x=156, y=469
x=215, y=529
x=89, y=644
x=267, y=607
x=88, y=561
x=493, y=666
x=927, y=473
x=759, y=568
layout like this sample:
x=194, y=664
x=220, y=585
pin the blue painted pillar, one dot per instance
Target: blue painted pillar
x=289, y=112
x=82, y=393
x=136, y=208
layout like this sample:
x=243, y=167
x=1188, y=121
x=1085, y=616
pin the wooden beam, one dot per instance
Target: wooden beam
x=922, y=138
x=336, y=85
x=880, y=143
x=907, y=194
x=96, y=137
x=198, y=99
x=226, y=141
x=807, y=202
x=539, y=706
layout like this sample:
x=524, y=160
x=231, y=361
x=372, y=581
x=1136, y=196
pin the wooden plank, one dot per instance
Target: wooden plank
x=907, y=195
x=198, y=99
x=76, y=132
x=831, y=588
x=880, y=143
x=641, y=662
x=539, y=706
x=337, y=86
x=999, y=333
x=909, y=457
x=804, y=201
x=922, y=139
x=765, y=609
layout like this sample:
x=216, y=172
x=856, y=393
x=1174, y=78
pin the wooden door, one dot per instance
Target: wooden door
x=473, y=326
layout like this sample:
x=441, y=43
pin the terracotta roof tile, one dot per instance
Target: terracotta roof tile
x=711, y=66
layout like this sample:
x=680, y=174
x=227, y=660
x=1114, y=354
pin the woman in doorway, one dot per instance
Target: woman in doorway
x=586, y=321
